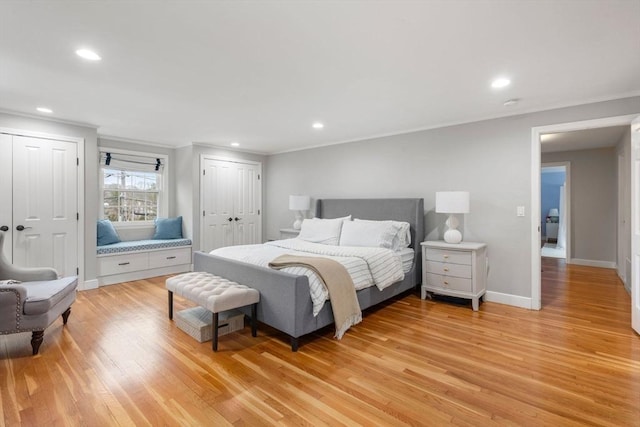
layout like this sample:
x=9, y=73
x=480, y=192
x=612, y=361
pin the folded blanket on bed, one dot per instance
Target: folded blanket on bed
x=342, y=293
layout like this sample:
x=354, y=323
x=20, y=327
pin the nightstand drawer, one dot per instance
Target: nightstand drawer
x=453, y=257
x=449, y=282
x=446, y=269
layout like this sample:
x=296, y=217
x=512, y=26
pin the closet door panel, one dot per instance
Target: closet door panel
x=6, y=193
x=45, y=204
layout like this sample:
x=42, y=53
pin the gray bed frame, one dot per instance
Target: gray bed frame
x=285, y=303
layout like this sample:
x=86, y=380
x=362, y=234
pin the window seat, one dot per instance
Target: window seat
x=140, y=259
x=141, y=245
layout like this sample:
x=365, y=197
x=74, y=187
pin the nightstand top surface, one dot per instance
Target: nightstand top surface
x=441, y=244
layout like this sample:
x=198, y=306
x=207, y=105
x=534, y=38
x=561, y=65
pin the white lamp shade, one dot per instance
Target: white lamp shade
x=554, y=212
x=299, y=203
x=452, y=202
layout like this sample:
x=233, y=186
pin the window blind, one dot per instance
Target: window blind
x=130, y=162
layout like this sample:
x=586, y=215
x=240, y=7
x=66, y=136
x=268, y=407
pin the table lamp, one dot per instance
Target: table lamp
x=452, y=202
x=299, y=204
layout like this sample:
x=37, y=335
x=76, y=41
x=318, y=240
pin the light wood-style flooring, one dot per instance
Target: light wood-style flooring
x=120, y=361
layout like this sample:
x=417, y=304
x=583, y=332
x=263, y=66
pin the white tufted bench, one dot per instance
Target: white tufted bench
x=214, y=293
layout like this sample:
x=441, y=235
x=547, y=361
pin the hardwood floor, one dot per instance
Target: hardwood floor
x=120, y=361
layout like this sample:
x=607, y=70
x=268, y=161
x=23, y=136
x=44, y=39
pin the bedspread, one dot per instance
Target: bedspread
x=366, y=266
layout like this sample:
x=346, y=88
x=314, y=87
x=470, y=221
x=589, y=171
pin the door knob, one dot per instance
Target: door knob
x=4, y=228
x=21, y=227
x=230, y=219
x=237, y=219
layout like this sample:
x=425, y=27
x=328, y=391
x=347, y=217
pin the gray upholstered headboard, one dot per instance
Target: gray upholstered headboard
x=409, y=210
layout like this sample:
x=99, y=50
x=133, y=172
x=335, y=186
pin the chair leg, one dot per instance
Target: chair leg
x=170, y=296
x=65, y=315
x=215, y=332
x=36, y=340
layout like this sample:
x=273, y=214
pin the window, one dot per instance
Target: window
x=132, y=186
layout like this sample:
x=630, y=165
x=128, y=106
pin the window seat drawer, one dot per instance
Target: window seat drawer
x=169, y=257
x=125, y=263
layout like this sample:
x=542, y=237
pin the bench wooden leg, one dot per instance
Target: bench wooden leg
x=254, y=320
x=170, y=296
x=215, y=332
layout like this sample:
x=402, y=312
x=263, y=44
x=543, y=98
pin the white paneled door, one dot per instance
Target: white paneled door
x=635, y=225
x=231, y=199
x=44, y=203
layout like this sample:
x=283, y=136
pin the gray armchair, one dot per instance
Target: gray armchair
x=34, y=303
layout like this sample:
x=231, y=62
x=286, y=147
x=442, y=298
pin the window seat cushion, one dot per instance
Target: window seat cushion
x=141, y=245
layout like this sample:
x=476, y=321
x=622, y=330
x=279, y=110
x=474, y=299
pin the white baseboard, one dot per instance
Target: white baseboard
x=88, y=284
x=593, y=263
x=143, y=274
x=508, y=299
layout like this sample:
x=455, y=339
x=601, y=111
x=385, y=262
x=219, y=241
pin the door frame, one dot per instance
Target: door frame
x=79, y=141
x=567, y=202
x=536, y=132
x=204, y=157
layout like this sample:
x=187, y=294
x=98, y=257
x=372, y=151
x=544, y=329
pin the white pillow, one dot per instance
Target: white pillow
x=367, y=233
x=320, y=230
x=389, y=234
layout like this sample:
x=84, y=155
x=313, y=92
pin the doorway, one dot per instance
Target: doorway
x=555, y=205
x=536, y=234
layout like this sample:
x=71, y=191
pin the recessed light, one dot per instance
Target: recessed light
x=235, y=144
x=45, y=110
x=88, y=54
x=317, y=125
x=510, y=102
x=500, y=82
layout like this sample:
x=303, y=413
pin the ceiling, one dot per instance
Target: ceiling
x=260, y=73
x=582, y=139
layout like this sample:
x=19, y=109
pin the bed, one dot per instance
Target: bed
x=285, y=302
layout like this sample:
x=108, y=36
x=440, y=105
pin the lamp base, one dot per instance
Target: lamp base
x=297, y=225
x=452, y=235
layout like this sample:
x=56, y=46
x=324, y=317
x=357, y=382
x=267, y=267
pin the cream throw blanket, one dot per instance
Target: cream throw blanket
x=342, y=293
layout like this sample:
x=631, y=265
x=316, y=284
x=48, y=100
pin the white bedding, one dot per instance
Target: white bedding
x=367, y=266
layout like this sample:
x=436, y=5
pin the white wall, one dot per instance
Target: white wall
x=491, y=159
x=594, y=198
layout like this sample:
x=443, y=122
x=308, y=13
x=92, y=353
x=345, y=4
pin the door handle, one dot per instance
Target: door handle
x=4, y=228
x=230, y=219
x=22, y=227
x=237, y=219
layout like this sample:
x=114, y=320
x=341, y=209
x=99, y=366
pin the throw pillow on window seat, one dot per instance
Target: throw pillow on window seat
x=168, y=228
x=107, y=234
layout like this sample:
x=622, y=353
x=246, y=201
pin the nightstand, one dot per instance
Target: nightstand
x=288, y=233
x=457, y=270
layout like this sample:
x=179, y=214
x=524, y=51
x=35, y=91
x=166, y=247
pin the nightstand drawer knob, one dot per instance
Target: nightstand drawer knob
x=446, y=283
x=445, y=256
x=446, y=269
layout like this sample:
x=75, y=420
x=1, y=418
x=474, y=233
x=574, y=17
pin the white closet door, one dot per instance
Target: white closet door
x=45, y=206
x=248, y=227
x=231, y=199
x=217, y=204
x=6, y=194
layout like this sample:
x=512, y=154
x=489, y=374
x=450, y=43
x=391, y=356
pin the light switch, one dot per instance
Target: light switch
x=520, y=211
